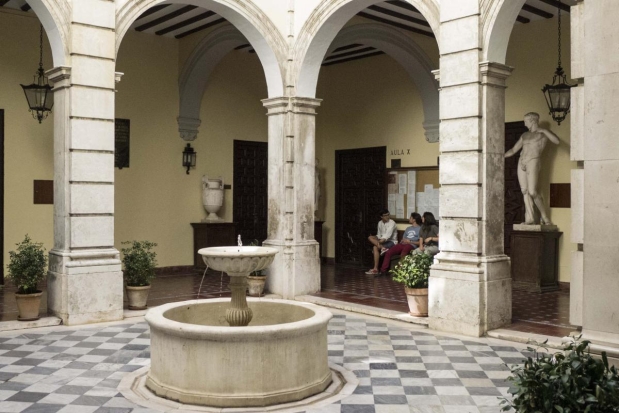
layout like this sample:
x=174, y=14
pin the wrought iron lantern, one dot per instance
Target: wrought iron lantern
x=189, y=158
x=558, y=94
x=39, y=94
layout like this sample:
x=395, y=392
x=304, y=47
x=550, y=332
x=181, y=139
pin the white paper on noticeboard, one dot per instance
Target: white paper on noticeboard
x=402, y=184
x=399, y=206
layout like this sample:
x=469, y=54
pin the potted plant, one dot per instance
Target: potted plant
x=139, y=262
x=414, y=272
x=256, y=280
x=27, y=267
x=568, y=381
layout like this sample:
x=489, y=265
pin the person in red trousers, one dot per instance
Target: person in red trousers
x=410, y=241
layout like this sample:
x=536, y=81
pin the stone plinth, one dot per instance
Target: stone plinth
x=535, y=227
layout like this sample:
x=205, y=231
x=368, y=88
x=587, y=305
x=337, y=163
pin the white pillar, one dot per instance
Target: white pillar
x=470, y=283
x=296, y=269
x=600, y=169
x=85, y=279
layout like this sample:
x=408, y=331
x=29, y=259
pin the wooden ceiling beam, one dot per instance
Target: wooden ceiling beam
x=184, y=23
x=199, y=28
x=539, y=12
x=351, y=53
x=400, y=16
x=152, y=10
x=404, y=5
x=522, y=19
x=25, y=7
x=395, y=24
x=350, y=46
x=3, y=2
x=165, y=18
x=335, y=62
x=556, y=3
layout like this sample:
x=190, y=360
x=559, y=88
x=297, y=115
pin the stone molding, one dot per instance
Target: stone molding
x=494, y=74
x=60, y=76
x=283, y=104
x=188, y=128
x=432, y=131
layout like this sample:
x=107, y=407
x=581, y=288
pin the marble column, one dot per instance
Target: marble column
x=85, y=280
x=470, y=283
x=296, y=269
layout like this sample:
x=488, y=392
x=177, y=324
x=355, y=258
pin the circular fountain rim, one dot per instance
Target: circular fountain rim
x=237, y=252
x=155, y=317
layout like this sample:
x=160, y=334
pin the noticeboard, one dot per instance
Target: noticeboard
x=414, y=189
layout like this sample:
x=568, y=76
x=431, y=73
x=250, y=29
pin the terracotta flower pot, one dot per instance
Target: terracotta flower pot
x=137, y=297
x=417, y=301
x=28, y=306
x=256, y=285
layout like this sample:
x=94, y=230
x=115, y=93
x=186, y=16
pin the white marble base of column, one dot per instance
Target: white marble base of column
x=85, y=287
x=469, y=294
x=295, y=271
x=600, y=337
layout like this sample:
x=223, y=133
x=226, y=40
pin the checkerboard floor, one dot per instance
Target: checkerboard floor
x=400, y=369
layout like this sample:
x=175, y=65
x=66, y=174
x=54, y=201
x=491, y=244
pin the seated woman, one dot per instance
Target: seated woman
x=410, y=241
x=428, y=236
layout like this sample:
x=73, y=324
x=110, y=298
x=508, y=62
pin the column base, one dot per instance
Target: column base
x=600, y=337
x=469, y=294
x=295, y=270
x=85, y=291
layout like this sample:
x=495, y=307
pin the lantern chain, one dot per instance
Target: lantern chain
x=559, y=20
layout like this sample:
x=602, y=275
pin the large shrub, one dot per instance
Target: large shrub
x=27, y=266
x=570, y=381
x=413, y=271
x=139, y=262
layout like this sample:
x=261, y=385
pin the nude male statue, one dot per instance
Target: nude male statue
x=532, y=144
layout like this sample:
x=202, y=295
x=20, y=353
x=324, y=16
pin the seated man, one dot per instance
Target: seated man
x=385, y=238
x=410, y=241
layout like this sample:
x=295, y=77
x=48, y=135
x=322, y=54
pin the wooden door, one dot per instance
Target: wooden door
x=514, y=201
x=250, y=199
x=359, y=195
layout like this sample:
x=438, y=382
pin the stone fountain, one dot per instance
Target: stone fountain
x=238, y=352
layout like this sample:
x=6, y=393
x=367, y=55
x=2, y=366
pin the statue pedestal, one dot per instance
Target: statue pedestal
x=535, y=257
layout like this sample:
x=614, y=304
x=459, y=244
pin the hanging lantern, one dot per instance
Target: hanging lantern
x=189, y=158
x=39, y=94
x=558, y=94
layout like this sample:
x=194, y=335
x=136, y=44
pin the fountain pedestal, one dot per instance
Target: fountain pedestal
x=239, y=314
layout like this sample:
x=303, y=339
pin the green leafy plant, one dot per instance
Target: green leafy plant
x=569, y=381
x=260, y=273
x=413, y=271
x=139, y=262
x=27, y=266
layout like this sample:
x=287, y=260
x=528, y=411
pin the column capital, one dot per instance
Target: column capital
x=276, y=105
x=118, y=76
x=188, y=128
x=60, y=76
x=305, y=105
x=432, y=130
x=494, y=74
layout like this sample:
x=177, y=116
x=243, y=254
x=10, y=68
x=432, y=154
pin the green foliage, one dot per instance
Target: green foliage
x=570, y=381
x=27, y=266
x=413, y=271
x=255, y=243
x=139, y=262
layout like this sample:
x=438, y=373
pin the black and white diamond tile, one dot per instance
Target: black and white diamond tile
x=400, y=369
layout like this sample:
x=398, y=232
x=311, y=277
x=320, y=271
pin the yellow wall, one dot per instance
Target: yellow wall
x=28, y=145
x=532, y=52
x=370, y=102
x=155, y=198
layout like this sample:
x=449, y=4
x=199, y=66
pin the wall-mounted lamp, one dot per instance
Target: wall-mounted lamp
x=189, y=158
x=39, y=94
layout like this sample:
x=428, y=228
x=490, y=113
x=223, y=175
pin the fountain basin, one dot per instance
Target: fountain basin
x=196, y=358
x=238, y=260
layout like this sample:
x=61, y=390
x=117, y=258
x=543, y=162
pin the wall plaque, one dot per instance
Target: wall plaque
x=121, y=146
x=43, y=192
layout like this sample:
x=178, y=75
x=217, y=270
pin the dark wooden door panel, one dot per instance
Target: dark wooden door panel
x=1, y=196
x=250, y=204
x=360, y=191
x=514, y=201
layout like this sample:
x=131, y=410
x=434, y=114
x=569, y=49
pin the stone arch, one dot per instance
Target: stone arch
x=323, y=25
x=256, y=26
x=407, y=53
x=196, y=72
x=55, y=16
x=497, y=23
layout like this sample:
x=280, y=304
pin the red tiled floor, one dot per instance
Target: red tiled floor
x=546, y=313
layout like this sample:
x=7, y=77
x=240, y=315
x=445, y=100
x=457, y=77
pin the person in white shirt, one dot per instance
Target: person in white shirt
x=385, y=238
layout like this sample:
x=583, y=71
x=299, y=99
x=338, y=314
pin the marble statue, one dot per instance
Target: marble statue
x=212, y=197
x=532, y=144
x=316, y=189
